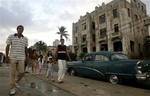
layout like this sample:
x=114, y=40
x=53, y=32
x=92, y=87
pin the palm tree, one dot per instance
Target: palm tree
x=41, y=46
x=62, y=32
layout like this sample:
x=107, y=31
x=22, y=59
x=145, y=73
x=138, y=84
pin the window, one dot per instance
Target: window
x=102, y=18
x=84, y=26
x=101, y=58
x=116, y=28
x=103, y=32
x=129, y=12
x=138, y=29
x=132, y=45
x=115, y=57
x=76, y=29
x=93, y=25
x=115, y=13
x=94, y=49
x=136, y=17
x=142, y=8
x=93, y=37
x=88, y=58
x=84, y=38
x=76, y=41
x=139, y=5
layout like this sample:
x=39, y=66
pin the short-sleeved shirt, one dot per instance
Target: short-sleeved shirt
x=17, y=51
x=61, y=52
x=49, y=59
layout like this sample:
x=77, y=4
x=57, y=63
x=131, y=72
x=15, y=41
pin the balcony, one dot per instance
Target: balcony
x=116, y=35
x=147, y=22
x=84, y=43
x=103, y=39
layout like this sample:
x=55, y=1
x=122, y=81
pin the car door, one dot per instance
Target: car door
x=100, y=66
x=86, y=67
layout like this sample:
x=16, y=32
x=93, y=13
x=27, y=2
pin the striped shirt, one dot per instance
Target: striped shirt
x=17, y=51
x=62, y=52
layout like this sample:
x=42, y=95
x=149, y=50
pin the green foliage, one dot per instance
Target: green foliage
x=62, y=32
x=29, y=51
x=40, y=46
x=73, y=56
x=81, y=55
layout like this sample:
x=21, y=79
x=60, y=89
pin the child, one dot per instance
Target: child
x=49, y=66
x=40, y=62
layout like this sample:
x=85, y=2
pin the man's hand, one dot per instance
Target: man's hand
x=27, y=60
x=7, y=59
x=55, y=61
x=70, y=59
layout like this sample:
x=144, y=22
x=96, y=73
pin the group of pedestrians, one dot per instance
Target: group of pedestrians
x=17, y=56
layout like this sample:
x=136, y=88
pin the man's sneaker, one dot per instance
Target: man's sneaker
x=17, y=85
x=12, y=91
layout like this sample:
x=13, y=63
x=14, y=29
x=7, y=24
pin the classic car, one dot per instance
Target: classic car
x=114, y=67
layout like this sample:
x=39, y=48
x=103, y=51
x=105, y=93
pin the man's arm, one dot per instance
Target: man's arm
x=27, y=56
x=68, y=54
x=7, y=52
x=56, y=53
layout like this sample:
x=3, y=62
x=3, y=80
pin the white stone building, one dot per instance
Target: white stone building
x=115, y=26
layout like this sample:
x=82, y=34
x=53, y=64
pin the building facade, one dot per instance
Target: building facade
x=115, y=26
x=56, y=42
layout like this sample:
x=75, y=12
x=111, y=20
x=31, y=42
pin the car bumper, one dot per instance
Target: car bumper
x=142, y=76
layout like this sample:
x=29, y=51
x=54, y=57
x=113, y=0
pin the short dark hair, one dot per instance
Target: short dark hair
x=19, y=26
x=62, y=39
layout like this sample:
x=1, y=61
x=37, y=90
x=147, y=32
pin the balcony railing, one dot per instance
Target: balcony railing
x=103, y=38
x=116, y=34
x=147, y=22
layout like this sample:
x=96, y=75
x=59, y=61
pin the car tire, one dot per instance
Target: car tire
x=72, y=72
x=114, y=79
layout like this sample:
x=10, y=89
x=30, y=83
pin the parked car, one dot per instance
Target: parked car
x=111, y=66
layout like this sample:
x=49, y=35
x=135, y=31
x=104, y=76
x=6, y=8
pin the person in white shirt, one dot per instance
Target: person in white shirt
x=17, y=56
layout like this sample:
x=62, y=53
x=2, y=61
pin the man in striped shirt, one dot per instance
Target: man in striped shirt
x=61, y=55
x=17, y=56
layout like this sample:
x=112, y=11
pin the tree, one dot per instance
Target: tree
x=41, y=47
x=62, y=32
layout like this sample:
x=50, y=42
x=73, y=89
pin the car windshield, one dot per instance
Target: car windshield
x=118, y=57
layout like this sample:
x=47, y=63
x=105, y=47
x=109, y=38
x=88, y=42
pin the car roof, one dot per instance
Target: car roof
x=107, y=53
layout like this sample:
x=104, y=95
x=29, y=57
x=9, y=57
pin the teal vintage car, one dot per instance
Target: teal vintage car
x=111, y=66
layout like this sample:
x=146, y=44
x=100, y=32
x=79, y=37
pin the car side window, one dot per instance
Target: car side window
x=101, y=58
x=88, y=58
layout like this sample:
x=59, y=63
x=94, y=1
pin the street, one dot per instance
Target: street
x=72, y=86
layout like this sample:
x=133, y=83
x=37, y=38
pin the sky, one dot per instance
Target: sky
x=41, y=18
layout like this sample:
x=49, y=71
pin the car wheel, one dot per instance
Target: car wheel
x=114, y=79
x=72, y=72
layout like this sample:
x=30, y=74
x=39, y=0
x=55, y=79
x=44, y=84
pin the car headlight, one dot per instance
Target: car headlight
x=139, y=71
x=138, y=67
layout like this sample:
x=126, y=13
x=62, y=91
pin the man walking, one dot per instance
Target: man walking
x=61, y=55
x=16, y=58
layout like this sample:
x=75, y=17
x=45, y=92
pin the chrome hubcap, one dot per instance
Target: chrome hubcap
x=114, y=79
x=72, y=72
